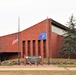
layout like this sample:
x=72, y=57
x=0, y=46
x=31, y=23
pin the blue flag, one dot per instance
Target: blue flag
x=42, y=36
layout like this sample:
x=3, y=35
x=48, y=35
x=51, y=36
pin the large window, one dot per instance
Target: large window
x=23, y=44
x=58, y=30
x=28, y=47
x=39, y=47
x=34, y=47
x=44, y=48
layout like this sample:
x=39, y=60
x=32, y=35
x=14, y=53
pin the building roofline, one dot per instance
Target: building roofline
x=34, y=25
x=57, y=24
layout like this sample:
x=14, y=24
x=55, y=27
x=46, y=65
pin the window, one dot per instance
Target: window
x=28, y=47
x=23, y=44
x=44, y=48
x=34, y=47
x=39, y=47
x=58, y=30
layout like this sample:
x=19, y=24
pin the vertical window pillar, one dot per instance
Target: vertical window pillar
x=34, y=47
x=28, y=48
x=39, y=47
x=23, y=47
x=44, y=48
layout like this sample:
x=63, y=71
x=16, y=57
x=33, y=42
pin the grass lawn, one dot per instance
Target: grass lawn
x=37, y=72
x=60, y=62
x=66, y=66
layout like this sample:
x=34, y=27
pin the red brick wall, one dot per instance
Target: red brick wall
x=59, y=44
x=6, y=43
x=53, y=44
x=33, y=33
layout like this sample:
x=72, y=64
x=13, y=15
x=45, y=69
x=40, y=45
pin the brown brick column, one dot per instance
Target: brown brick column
x=31, y=48
x=46, y=50
x=48, y=40
x=26, y=48
x=36, y=50
x=50, y=43
x=24, y=59
x=42, y=58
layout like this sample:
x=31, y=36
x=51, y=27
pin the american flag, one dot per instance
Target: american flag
x=15, y=40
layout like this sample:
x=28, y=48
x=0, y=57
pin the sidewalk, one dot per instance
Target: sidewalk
x=34, y=67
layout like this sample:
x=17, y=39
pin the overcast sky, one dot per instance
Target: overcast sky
x=32, y=12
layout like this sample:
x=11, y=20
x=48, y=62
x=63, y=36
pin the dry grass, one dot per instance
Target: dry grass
x=37, y=72
x=60, y=62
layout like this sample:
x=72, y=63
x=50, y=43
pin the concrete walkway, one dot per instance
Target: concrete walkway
x=34, y=67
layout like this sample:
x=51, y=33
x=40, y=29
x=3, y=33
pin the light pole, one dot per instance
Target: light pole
x=18, y=40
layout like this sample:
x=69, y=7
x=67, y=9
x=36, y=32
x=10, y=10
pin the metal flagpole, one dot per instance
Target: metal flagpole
x=18, y=40
x=47, y=40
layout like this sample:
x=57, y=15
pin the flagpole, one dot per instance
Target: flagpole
x=47, y=40
x=18, y=40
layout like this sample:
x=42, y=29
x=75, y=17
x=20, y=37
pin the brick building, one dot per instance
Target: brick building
x=31, y=44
